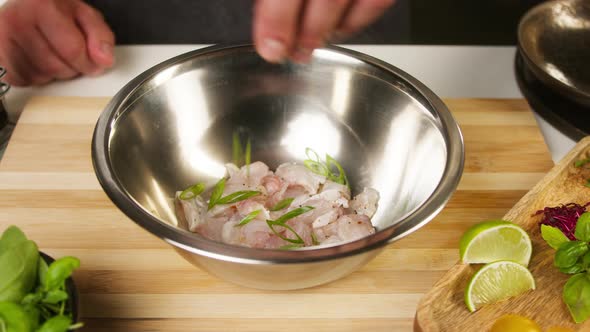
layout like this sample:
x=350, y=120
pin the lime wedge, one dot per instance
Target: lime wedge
x=495, y=240
x=496, y=282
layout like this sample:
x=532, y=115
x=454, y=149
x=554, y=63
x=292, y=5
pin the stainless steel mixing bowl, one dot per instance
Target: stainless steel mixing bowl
x=172, y=126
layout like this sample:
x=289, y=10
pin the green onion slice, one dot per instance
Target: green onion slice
x=248, y=218
x=581, y=162
x=237, y=196
x=282, y=204
x=297, y=240
x=192, y=191
x=291, y=246
x=236, y=149
x=292, y=214
x=314, y=239
x=216, y=194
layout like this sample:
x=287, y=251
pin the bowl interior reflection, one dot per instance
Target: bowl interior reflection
x=176, y=129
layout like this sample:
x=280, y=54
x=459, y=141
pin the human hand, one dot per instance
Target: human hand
x=45, y=40
x=292, y=29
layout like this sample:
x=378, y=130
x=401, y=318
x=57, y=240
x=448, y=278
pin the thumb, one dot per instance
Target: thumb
x=100, y=40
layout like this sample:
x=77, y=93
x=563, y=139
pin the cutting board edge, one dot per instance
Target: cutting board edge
x=424, y=321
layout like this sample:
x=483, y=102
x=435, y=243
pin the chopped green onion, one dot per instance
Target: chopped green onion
x=237, y=196
x=216, y=194
x=291, y=246
x=297, y=239
x=192, y=191
x=314, y=239
x=341, y=178
x=282, y=204
x=249, y=218
x=247, y=154
x=581, y=162
x=292, y=214
x=237, y=149
x=322, y=168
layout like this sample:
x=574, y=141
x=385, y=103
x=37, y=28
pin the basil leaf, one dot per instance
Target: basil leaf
x=581, y=162
x=216, y=194
x=582, y=232
x=586, y=260
x=14, y=317
x=568, y=253
x=576, y=295
x=237, y=196
x=553, y=236
x=42, y=271
x=59, y=271
x=574, y=269
x=292, y=214
x=55, y=296
x=248, y=218
x=11, y=237
x=192, y=191
x=58, y=323
x=282, y=204
x=18, y=271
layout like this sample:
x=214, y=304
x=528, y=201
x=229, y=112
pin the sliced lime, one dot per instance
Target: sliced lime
x=497, y=281
x=495, y=240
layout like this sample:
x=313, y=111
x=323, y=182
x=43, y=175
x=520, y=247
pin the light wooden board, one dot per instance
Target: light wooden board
x=131, y=281
x=443, y=308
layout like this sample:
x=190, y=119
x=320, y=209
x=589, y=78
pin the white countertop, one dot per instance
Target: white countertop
x=450, y=71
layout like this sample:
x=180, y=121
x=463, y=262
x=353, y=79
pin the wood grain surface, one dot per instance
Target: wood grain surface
x=131, y=281
x=443, y=308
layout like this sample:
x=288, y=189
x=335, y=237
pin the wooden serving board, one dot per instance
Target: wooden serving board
x=443, y=307
x=132, y=281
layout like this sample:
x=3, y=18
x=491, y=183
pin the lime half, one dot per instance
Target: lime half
x=495, y=240
x=497, y=281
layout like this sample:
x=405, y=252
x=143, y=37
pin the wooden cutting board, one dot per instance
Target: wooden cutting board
x=131, y=281
x=443, y=308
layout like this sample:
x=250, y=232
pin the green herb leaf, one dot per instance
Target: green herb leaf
x=582, y=232
x=11, y=237
x=42, y=271
x=238, y=196
x=192, y=191
x=581, y=162
x=291, y=246
x=237, y=156
x=553, y=236
x=586, y=260
x=18, y=271
x=282, y=204
x=216, y=194
x=576, y=295
x=292, y=214
x=55, y=296
x=568, y=253
x=574, y=269
x=60, y=323
x=248, y=218
x=14, y=318
x=297, y=240
x=59, y=271
x=314, y=239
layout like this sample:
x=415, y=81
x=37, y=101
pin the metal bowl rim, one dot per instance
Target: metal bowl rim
x=216, y=250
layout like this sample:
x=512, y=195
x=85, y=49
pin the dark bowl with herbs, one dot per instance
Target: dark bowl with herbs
x=37, y=292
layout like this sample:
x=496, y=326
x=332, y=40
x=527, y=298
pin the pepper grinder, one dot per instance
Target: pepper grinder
x=6, y=126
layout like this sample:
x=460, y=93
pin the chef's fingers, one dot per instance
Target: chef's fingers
x=100, y=40
x=360, y=14
x=319, y=19
x=275, y=27
x=58, y=25
x=17, y=69
x=44, y=61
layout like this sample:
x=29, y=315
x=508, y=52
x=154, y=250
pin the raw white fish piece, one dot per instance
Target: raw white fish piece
x=296, y=174
x=366, y=202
